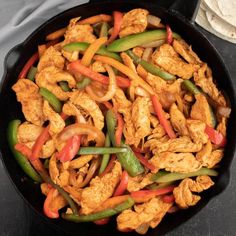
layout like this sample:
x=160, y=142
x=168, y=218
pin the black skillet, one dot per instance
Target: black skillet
x=180, y=17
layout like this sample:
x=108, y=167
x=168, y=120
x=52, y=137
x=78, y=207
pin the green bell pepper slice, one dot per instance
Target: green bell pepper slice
x=32, y=72
x=127, y=159
x=106, y=156
x=131, y=41
x=52, y=99
x=99, y=215
x=83, y=83
x=164, y=176
x=101, y=150
x=150, y=67
x=21, y=159
x=82, y=46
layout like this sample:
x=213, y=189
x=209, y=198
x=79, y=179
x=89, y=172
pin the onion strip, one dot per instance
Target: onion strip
x=111, y=87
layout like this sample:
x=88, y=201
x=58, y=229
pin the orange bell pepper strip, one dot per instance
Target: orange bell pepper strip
x=125, y=70
x=122, y=185
x=91, y=50
x=56, y=34
x=46, y=206
x=215, y=136
x=163, y=121
x=95, y=19
x=70, y=149
x=144, y=161
x=145, y=195
x=78, y=67
x=117, y=24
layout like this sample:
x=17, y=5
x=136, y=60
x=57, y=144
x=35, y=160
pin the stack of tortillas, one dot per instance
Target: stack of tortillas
x=218, y=17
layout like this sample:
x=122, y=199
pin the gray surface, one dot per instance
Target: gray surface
x=217, y=218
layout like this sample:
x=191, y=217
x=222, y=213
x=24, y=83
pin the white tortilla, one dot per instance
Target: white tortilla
x=220, y=26
x=224, y=9
x=203, y=22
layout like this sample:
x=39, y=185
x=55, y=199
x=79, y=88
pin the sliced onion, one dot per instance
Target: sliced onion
x=92, y=169
x=153, y=20
x=111, y=87
x=83, y=129
x=154, y=44
x=142, y=229
x=147, y=54
x=224, y=111
x=141, y=92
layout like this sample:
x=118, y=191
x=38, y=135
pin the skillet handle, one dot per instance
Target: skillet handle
x=185, y=8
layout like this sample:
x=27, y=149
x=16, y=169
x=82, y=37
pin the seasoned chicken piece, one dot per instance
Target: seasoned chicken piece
x=157, y=133
x=100, y=189
x=196, y=130
x=178, y=120
x=78, y=33
x=215, y=157
x=184, y=197
x=158, y=84
x=74, y=192
x=28, y=132
x=133, y=22
x=182, y=48
x=138, y=51
x=49, y=77
x=176, y=162
x=48, y=149
x=58, y=175
x=140, y=117
x=221, y=127
x=80, y=161
x=82, y=101
x=169, y=60
x=201, y=110
x=123, y=105
x=204, y=79
x=98, y=67
x=51, y=57
x=181, y=144
x=150, y=213
x=57, y=124
x=31, y=101
x=139, y=182
x=128, y=61
x=71, y=110
x=57, y=202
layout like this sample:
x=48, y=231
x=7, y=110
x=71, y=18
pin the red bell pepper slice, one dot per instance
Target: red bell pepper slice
x=123, y=184
x=119, y=128
x=168, y=198
x=169, y=33
x=40, y=141
x=142, y=195
x=77, y=67
x=46, y=206
x=117, y=24
x=139, y=150
x=70, y=149
x=163, y=121
x=108, y=105
x=28, y=65
x=102, y=221
x=144, y=161
x=215, y=136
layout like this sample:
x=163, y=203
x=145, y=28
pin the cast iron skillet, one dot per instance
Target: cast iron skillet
x=179, y=18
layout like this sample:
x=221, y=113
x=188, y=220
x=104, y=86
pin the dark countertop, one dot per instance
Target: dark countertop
x=217, y=218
